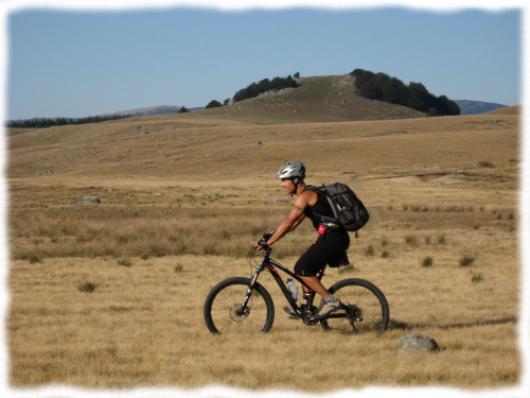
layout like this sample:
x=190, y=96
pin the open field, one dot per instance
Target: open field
x=111, y=295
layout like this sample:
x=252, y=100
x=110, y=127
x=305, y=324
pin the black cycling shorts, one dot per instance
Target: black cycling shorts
x=326, y=249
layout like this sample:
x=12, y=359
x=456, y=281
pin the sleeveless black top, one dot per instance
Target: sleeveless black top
x=321, y=207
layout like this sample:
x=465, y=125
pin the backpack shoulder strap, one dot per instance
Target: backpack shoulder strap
x=323, y=191
x=312, y=188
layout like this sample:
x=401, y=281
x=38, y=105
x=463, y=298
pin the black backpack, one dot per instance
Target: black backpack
x=348, y=210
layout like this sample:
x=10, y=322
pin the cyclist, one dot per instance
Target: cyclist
x=331, y=244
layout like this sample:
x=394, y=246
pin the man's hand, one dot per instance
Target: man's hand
x=262, y=243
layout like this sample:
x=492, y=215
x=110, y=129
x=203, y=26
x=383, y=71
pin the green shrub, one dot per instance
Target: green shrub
x=348, y=268
x=179, y=268
x=427, y=262
x=210, y=250
x=87, y=287
x=485, y=163
x=411, y=240
x=466, y=261
x=385, y=254
x=34, y=259
x=125, y=262
x=477, y=277
x=369, y=251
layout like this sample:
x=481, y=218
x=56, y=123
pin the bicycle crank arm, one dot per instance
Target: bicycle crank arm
x=336, y=315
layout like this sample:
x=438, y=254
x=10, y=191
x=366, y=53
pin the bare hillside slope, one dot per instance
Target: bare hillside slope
x=176, y=145
x=510, y=110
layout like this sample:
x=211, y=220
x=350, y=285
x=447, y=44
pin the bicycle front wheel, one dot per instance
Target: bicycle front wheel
x=225, y=312
x=367, y=308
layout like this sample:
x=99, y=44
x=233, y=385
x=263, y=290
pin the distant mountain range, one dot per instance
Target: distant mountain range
x=152, y=110
x=468, y=107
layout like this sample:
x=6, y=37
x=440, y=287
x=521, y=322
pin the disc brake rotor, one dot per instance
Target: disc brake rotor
x=237, y=313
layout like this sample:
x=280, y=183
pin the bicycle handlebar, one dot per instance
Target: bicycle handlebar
x=263, y=242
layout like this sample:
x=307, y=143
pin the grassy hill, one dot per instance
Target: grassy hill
x=318, y=99
x=509, y=110
x=185, y=145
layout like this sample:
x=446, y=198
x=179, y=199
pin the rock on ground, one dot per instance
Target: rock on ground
x=418, y=342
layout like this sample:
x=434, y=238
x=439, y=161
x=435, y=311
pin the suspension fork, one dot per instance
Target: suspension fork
x=253, y=281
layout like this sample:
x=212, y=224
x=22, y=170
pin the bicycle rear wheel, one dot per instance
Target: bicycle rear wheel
x=224, y=312
x=367, y=307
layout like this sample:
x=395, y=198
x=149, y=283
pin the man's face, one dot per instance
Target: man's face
x=288, y=185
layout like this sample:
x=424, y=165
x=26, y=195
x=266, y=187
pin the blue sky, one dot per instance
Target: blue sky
x=84, y=63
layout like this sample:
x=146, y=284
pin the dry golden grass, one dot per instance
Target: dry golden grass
x=142, y=325
x=111, y=295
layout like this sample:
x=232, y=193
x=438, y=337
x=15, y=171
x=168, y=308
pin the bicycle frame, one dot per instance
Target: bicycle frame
x=270, y=265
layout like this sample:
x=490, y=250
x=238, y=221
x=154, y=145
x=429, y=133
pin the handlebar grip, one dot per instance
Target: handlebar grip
x=263, y=242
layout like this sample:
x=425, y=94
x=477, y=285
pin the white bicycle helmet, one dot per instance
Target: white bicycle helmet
x=292, y=169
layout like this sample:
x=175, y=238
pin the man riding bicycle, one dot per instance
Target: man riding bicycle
x=331, y=244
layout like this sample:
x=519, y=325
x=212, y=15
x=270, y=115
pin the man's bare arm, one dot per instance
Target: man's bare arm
x=293, y=219
x=297, y=222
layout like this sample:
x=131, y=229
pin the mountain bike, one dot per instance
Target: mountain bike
x=242, y=304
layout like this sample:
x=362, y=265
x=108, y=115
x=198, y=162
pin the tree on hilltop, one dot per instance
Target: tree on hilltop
x=183, y=109
x=383, y=87
x=213, y=104
x=395, y=92
x=41, y=122
x=264, y=85
x=418, y=97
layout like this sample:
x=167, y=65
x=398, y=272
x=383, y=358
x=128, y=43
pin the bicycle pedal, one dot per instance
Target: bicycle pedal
x=291, y=313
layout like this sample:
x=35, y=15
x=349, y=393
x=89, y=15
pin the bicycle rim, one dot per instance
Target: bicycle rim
x=228, y=316
x=367, y=305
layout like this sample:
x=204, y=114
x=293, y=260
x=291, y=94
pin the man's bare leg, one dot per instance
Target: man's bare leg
x=314, y=283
